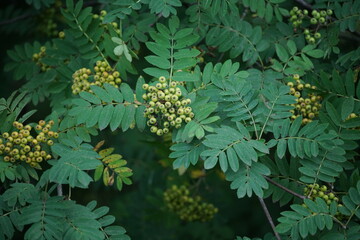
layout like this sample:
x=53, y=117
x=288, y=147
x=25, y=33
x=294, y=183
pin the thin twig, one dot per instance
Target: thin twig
x=59, y=190
x=220, y=57
x=284, y=188
x=268, y=216
x=344, y=226
x=304, y=3
x=91, y=3
x=15, y=19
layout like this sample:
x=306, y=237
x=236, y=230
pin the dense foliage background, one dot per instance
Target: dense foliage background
x=250, y=147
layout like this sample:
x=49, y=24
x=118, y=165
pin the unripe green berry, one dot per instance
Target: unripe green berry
x=161, y=95
x=159, y=132
x=174, y=98
x=178, y=120
x=152, y=120
x=187, y=119
x=153, y=129
x=167, y=98
x=168, y=104
x=312, y=40
x=162, y=79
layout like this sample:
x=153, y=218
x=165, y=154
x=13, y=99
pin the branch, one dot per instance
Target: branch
x=268, y=216
x=304, y=3
x=350, y=36
x=284, y=188
x=15, y=19
x=59, y=190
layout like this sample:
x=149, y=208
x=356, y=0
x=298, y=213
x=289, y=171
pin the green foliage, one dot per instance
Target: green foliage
x=40, y=3
x=300, y=221
x=234, y=63
x=125, y=8
x=81, y=21
x=75, y=159
x=164, y=8
x=348, y=14
x=10, y=12
x=51, y=217
x=107, y=107
x=352, y=203
x=285, y=172
x=168, y=45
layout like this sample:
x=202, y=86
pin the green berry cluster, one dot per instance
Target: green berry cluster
x=317, y=18
x=104, y=73
x=308, y=104
x=105, y=25
x=188, y=208
x=311, y=37
x=20, y=145
x=316, y=191
x=166, y=106
x=37, y=59
x=47, y=20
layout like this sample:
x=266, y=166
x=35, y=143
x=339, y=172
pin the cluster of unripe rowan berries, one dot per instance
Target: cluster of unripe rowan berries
x=188, y=208
x=20, y=145
x=166, y=107
x=317, y=18
x=104, y=73
x=314, y=191
x=47, y=20
x=37, y=59
x=308, y=104
x=105, y=25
